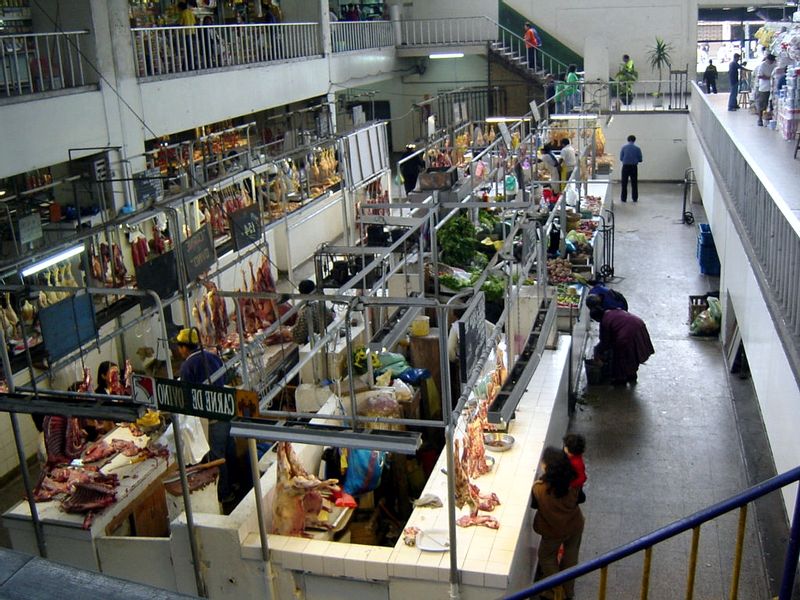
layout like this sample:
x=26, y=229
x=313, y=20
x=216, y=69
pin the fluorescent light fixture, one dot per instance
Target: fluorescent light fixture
x=53, y=260
x=503, y=119
x=573, y=117
x=404, y=442
x=447, y=55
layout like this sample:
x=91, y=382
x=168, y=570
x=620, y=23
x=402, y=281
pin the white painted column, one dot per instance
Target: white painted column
x=596, y=71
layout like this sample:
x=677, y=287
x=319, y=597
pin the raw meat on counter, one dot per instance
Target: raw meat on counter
x=410, y=536
x=98, y=451
x=125, y=447
x=299, y=496
x=485, y=520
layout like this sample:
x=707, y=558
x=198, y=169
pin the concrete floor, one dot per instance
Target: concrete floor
x=669, y=446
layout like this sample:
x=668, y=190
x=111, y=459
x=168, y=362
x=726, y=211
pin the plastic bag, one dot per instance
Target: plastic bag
x=414, y=376
x=715, y=308
x=363, y=471
x=195, y=443
x=401, y=390
x=704, y=324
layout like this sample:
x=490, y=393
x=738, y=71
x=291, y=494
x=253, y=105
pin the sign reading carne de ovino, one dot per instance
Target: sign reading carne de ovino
x=472, y=334
x=245, y=226
x=208, y=401
x=198, y=253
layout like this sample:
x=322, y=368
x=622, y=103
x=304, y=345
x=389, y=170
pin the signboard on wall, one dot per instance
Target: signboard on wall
x=245, y=226
x=67, y=324
x=212, y=402
x=198, y=253
x=472, y=334
x=148, y=186
x=30, y=228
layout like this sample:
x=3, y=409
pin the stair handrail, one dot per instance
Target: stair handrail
x=552, y=59
x=685, y=524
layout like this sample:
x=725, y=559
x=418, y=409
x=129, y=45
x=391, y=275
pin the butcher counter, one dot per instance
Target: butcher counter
x=140, y=506
x=489, y=561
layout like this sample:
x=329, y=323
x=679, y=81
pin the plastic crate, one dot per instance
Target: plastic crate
x=697, y=304
x=704, y=237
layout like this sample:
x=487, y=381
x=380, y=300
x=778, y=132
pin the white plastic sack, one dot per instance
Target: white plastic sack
x=193, y=436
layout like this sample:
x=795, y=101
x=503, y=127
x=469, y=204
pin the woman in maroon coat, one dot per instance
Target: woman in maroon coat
x=624, y=343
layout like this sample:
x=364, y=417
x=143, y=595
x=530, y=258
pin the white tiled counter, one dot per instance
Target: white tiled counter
x=490, y=561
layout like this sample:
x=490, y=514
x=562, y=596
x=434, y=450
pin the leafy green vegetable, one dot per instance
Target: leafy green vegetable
x=456, y=240
x=494, y=287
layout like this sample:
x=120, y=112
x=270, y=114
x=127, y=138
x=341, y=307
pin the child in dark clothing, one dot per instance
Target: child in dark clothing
x=574, y=445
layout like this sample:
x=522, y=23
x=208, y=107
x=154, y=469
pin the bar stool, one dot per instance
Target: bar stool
x=744, y=98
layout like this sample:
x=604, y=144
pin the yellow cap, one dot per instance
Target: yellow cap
x=187, y=336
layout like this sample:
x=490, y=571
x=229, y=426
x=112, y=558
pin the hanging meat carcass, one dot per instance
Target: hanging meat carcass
x=299, y=496
x=467, y=493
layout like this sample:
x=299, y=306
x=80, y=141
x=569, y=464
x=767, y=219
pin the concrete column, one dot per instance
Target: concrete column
x=325, y=28
x=121, y=97
x=331, y=101
x=596, y=71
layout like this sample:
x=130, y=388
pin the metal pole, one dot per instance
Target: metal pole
x=23, y=463
x=447, y=413
x=253, y=452
x=187, y=502
x=792, y=554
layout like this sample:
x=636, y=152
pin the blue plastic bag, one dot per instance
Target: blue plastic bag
x=364, y=469
x=414, y=376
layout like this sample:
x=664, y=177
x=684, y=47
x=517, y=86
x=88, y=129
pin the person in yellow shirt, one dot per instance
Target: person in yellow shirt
x=187, y=38
x=186, y=17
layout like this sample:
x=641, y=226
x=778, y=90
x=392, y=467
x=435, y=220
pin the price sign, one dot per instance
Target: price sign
x=30, y=228
x=472, y=334
x=212, y=402
x=245, y=226
x=148, y=186
x=198, y=253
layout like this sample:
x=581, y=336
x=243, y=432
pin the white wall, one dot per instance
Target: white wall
x=777, y=391
x=447, y=9
x=630, y=27
x=662, y=138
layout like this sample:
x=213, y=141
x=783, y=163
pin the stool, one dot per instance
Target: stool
x=744, y=99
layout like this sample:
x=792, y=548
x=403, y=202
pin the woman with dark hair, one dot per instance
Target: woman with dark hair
x=558, y=519
x=106, y=374
x=624, y=343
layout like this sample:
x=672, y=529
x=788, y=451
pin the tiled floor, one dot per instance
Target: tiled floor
x=670, y=445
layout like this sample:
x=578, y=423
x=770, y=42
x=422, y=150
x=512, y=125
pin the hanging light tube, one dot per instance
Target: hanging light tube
x=446, y=55
x=53, y=260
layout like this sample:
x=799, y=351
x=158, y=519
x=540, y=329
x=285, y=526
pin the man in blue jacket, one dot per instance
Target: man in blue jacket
x=733, y=79
x=630, y=155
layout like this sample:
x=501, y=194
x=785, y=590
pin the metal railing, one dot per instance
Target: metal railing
x=171, y=50
x=694, y=522
x=459, y=31
x=347, y=36
x=768, y=228
x=610, y=96
x=513, y=46
x=39, y=62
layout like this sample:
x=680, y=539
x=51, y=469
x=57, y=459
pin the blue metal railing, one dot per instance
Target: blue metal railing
x=681, y=526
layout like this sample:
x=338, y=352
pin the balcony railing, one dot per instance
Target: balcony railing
x=445, y=32
x=38, y=62
x=172, y=50
x=768, y=228
x=694, y=523
x=347, y=36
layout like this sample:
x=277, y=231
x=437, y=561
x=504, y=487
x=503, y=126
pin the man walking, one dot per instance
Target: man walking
x=710, y=78
x=763, y=77
x=532, y=43
x=630, y=155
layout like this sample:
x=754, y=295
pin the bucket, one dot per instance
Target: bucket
x=421, y=326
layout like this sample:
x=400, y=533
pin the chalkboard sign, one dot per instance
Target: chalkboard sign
x=198, y=253
x=67, y=324
x=159, y=274
x=472, y=334
x=245, y=226
x=30, y=228
x=149, y=186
